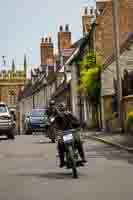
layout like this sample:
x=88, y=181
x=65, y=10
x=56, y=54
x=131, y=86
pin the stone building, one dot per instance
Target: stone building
x=11, y=82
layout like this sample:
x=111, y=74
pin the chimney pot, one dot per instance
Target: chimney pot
x=50, y=40
x=67, y=28
x=42, y=40
x=46, y=39
x=86, y=10
x=61, y=28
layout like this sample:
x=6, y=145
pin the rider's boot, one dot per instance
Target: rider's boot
x=62, y=162
x=81, y=152
x=61, y=155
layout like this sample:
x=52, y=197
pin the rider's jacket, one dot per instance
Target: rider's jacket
x=64, y=120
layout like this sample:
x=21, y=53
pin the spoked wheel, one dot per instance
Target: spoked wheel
x=53, y=140
x=73, y=162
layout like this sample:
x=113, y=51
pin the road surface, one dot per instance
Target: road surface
x=29, y=171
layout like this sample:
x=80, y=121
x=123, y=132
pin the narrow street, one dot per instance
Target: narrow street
x=29, y=171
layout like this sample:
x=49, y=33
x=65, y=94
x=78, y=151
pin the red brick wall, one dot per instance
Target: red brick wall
x=46, y=50
x=64, y=38
x=104, y=31
x=130, y=15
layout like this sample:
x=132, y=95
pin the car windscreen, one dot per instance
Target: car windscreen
x=38, y=113
x=3, y=109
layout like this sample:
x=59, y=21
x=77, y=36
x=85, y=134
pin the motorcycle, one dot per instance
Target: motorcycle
x=71, y=152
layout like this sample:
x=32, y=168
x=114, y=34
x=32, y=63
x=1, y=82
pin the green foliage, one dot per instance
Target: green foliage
x=130, y=118
x=90, y=81
x=89, y=61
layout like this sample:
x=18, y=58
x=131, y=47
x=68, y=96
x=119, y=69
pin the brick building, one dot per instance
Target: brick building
x=104, y=49
x=104, y=31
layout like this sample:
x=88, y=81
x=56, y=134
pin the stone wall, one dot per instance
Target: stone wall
x=110, y=119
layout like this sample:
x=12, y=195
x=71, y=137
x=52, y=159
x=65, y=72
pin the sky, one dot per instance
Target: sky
x=24, y=22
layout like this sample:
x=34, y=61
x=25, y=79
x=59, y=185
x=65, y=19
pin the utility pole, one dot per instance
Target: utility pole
x=116, y=23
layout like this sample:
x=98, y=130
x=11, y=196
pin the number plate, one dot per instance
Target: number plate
x=68, y=137
x=41, y=125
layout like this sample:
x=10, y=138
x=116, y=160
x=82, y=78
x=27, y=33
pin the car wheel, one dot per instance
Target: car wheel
x=11, y=136
x=29, y=133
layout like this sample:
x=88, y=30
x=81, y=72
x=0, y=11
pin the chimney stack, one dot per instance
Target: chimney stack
x=88, y=16
x=46, y=51
x=64, y=38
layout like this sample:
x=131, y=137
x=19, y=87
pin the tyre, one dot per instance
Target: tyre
x=53, y=140
x=27, y=132
x=73, y=162
x=52, y=135
x=11, y=135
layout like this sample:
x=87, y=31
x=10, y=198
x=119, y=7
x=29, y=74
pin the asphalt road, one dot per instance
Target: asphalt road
x=29, y=171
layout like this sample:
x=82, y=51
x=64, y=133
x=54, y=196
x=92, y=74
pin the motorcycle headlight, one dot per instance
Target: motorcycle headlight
x=59, y=137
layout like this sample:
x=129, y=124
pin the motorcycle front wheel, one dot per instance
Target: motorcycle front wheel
x=73, y=162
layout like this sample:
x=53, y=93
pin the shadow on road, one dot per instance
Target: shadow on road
x=51, y=175
x=109, y=152
x=42, y=142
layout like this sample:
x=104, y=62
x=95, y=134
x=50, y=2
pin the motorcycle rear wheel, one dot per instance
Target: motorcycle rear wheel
x=73, y=162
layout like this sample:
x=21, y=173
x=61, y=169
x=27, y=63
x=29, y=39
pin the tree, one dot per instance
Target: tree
x=90, y=82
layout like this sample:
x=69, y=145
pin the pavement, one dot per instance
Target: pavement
x=29, y=171
x=122, y=141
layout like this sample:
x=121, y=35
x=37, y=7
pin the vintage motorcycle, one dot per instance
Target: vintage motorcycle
x=71, y=151
x=68, y=140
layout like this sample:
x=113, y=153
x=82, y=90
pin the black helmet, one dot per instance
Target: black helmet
x=52, y=103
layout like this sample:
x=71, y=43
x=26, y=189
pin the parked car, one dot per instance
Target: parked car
x=37, y=120
x=7, y=122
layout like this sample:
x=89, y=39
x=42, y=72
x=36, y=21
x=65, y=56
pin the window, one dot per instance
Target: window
x=12, y=99
x=3, y=109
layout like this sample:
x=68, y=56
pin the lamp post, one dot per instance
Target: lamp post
x=115, y=6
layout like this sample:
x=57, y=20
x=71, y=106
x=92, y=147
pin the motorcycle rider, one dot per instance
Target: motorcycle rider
x=65, y=121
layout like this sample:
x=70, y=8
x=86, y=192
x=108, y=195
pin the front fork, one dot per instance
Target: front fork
x=68, y=160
